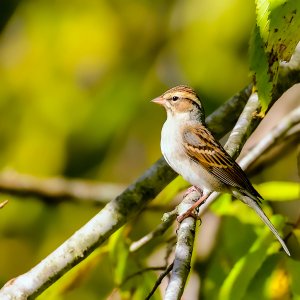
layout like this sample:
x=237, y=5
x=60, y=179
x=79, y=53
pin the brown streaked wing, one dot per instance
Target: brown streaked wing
x=202, y=147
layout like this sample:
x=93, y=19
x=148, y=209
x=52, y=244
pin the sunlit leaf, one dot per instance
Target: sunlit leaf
x=294, y=269
x=284, y=30
x=278, y=284
x=260, y=282
x=280, y=190
x=259, y=65
x=236, y=208
x=274, y=38
x=119, y=252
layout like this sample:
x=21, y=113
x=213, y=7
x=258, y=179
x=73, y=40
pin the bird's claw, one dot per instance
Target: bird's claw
x=189, y=213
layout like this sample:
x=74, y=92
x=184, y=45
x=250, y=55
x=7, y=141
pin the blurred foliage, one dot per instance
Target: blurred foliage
x=76, y=81
x=77, y=78
x=280, y=191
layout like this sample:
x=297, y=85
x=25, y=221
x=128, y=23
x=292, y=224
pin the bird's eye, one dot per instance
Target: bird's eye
x=175, y=98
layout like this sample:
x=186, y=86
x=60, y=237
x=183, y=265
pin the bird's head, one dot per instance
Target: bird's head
x=181, y=101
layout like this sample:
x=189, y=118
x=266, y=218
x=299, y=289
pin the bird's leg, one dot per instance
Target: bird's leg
x=190, y=211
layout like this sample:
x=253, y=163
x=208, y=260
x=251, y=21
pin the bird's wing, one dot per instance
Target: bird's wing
x=201, y=146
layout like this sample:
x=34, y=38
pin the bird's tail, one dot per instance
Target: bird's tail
x=254, y=204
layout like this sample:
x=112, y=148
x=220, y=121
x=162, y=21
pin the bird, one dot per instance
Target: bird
x=191, y=150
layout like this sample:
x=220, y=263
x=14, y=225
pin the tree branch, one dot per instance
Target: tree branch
x=115, y=214
x=284, y=145
x=57, y=188
x=183, y=251
x=274, y=135
x=245, y=125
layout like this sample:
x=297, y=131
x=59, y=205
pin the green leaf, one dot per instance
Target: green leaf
x=225, y=206
x=259, y=66
x=293, y=269
x=238, y=280
x=279, y=190
x=284, y=31
x=260, y=283
x=274, y=38
x=119, y=252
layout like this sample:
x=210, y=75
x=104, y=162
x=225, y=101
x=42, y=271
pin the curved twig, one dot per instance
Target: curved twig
x=2, y=204
x=159, y=280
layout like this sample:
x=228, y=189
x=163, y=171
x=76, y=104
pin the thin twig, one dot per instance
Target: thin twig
x=140, y=272
x=2, y=204
x=167, y=220
x=159, y=280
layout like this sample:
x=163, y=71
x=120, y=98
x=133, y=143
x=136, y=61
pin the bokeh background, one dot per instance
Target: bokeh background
x=76, y=80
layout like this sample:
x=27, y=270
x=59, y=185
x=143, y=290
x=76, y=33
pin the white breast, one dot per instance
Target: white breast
x=174, y=154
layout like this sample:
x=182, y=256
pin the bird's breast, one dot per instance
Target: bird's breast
x=176, y=156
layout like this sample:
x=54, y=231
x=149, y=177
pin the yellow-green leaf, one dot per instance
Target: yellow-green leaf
x=274, y=38
x=279, y=190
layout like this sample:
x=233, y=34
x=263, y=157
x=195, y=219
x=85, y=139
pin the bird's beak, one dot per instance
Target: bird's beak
x=159, y=100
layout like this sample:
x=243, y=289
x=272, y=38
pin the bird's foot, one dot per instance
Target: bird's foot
x=187, y=214
x=191, y=211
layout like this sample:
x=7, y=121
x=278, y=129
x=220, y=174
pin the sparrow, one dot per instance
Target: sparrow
x=192, y=151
